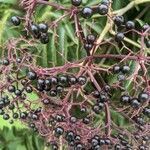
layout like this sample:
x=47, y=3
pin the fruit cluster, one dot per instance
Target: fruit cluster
x=74, y=104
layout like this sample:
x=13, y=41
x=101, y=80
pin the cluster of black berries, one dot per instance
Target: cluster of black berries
x=143, y=97
x=121, y=71
x=90, y=39
x=39, y=31
x=55, y=85
x=101, y=98
x=102, y=9
x=120, y=22
x=97, y=142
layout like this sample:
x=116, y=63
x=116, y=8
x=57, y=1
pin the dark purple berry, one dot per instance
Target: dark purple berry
x=76, y=2
x=102, y=9
x=15, y=20
x=87, y=12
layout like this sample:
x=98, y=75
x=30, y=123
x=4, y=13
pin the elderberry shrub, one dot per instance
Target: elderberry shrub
x=75, y=99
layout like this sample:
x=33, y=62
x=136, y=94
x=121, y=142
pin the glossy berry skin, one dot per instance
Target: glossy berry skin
x=102, y=9
x=130, y=25
x=125, y=99
x=125, y=69
x=86, y=120
x=6, y=116
x=43, y=27
x=82, y=80
x=96, y=109
x=91, y=39
x=87, y=12
x=44, y=38
x=35, y=30
x=143, y=97
x=53, y=93
x=5, y=62
x=135, y=103
x=32, y=75
x=72, y=80
x=76, y=2
x=11, y=89
x=119, y=37
x=59, y=131
x=96, y=94
x=18, y=92
x=146, y=111
x=54, y=80
x=117, y=147
x=46, y=101
x=105, y=2
x=15, y=21
x=116, y=69
x=59, y=89
x=88, y=47
x=29, y=89
x=118, y=20
x=63, y=79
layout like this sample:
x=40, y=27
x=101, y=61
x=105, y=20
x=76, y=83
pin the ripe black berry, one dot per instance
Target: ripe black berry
x=44, y=38
x=23, y=115
x=15, y=20
x=46, y=101
x=143, y=97
x=5, y=62
x=105, y=2
x=125, y=69
x=18, y=92
x=146, y=111
x=11, y=88
x=119, y=37
x=87, y=12
x=130, y=25
x=72, y=80
x=78, y=146
x=88, y=47
x=135, y=103
x=43, y=27
x=91, y=38
x=102, y=9
x=116, y=69
x=73, y=119
x=96, y=94
x=63, y=79
x=59, y=131
x=96, y=109
x=32, y=75
x=117, y=147
x=82, y=80
x=1, y=112
x=54, y=80
x=118, y=20
x=76, y=2
x=6, y=116
x=54, y=146
x=35, y=30
x=125, y=99
x=86, y=120
x=53, y=93
x=15, y=115
x=29, y=89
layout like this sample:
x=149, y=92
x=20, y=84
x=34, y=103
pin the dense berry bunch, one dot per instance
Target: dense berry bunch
x=76, y=104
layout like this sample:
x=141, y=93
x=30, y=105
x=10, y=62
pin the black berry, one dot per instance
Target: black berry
x=15, y=20
x=87, y=12
x=76, y=2
x=43, y=27
x=130, y=25
x=119, y=37
x=102, y=9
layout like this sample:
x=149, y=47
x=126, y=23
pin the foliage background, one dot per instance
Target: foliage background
x=17, y=136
